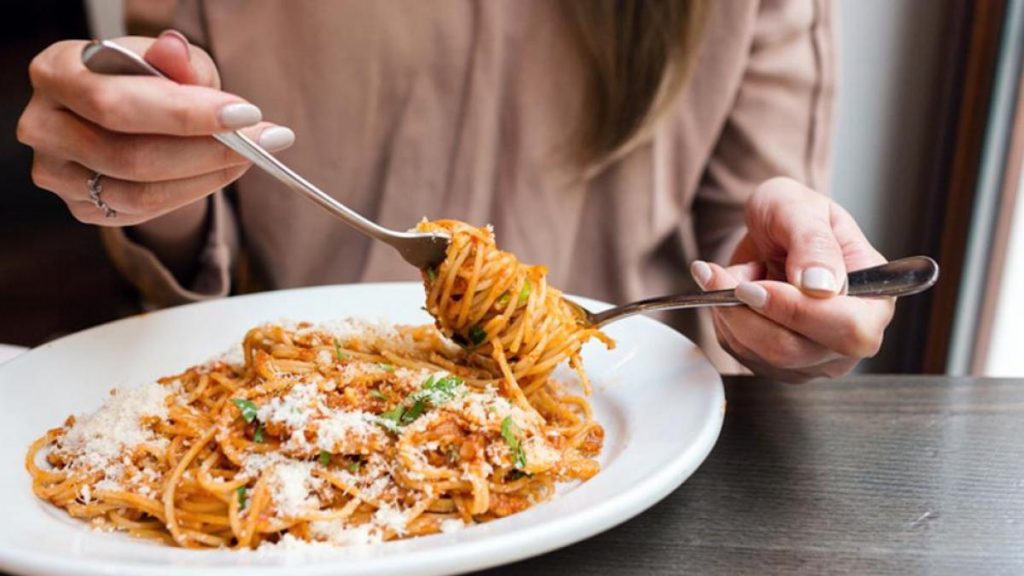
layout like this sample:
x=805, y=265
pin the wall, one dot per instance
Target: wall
x=890, y=69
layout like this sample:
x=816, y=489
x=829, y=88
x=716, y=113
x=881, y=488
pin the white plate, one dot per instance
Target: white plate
x=660, y=401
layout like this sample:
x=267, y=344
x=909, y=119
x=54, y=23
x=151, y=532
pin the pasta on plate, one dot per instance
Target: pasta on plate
x=346, y=433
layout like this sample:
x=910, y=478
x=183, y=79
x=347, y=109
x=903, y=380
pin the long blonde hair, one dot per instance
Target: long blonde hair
x=637, y=56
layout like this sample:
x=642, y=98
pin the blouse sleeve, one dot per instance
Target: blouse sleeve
x=156, y=283
x=780, y=123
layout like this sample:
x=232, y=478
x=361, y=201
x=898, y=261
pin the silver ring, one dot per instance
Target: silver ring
x=95, y=188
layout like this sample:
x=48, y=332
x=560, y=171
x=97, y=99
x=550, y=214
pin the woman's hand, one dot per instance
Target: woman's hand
x=789, y=269
x=147, y=136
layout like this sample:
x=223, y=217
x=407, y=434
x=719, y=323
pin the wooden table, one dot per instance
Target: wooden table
x=897, y=475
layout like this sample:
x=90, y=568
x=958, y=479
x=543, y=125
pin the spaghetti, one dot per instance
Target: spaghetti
x=487, y=301
x=344, y=434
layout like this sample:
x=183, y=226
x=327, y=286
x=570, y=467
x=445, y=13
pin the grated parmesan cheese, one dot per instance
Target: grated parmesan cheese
x=450, y=525
x=338, y=533
x=390, y=518
x=293, y=409
x=324, y=358
x=292, y=484
x=341, y=430
x=99, y=440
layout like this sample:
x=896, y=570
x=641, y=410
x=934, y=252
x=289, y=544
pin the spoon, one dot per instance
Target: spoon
x=901, y=277
x=422, y=250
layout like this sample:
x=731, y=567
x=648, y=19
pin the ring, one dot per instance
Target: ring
x=95, y=188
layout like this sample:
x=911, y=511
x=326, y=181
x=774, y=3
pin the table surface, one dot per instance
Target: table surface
x=890, y=474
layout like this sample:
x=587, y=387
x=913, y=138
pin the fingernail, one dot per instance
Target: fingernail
x=239, y=115
x=701, y=273
x=180, y=38
x=818, y=279
x=277, y=138
x=751, y=294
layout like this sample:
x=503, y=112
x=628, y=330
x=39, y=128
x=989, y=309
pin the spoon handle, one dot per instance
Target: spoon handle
x=901, y=277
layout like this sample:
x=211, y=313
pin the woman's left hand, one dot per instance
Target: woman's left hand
x=790, y=269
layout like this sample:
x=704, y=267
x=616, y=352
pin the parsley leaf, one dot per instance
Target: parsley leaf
x=243, y=496
x=413, y=413
x=337, y=351
x=503, y=299
x=433, y=392
x=389, y=368
x=477, y=335
x=378, y=394
x=524, y=292
x=354, y=466
x=438, y=391
x=247, y=408
x=257, y=437
x=391, y=419
x=510, y=432
x=325, y=457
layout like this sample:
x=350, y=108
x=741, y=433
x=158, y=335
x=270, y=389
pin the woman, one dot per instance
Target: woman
x=613, y=141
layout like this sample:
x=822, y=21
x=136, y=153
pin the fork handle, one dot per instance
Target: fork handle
x=901, y=277
x=105, y=57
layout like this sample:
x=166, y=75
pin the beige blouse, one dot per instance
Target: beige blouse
x=405, y=109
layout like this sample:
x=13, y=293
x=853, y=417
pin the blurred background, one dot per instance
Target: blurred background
x=928, y=151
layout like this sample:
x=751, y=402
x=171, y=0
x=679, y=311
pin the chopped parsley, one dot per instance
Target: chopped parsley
x=337, y=351
x=524, y=292
x=243, y=496
x=438, y=390
x=325, y=457
x=510, y=432
x=432, y=273
x=391, y=420
x=378, y=394
x=247, y=408
x=434, y=392
x=389, y=368
x=477, y=335
x=354, y=467
x=414, y=412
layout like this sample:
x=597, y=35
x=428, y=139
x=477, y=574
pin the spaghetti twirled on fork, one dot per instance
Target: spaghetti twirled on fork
x=488, y=301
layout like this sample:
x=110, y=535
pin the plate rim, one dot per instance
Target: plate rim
x=487, y=553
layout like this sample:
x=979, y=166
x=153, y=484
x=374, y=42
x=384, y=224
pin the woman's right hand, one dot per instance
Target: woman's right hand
x=147, y=136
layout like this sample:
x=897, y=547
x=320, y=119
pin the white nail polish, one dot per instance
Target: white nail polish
x=701, y=273
x=751, y=294
x=239, y=115
x=818, y=279
x=277, y=138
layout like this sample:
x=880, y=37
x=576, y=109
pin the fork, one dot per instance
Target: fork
x=422, y=250
x=428, y=249
x=897, y=278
